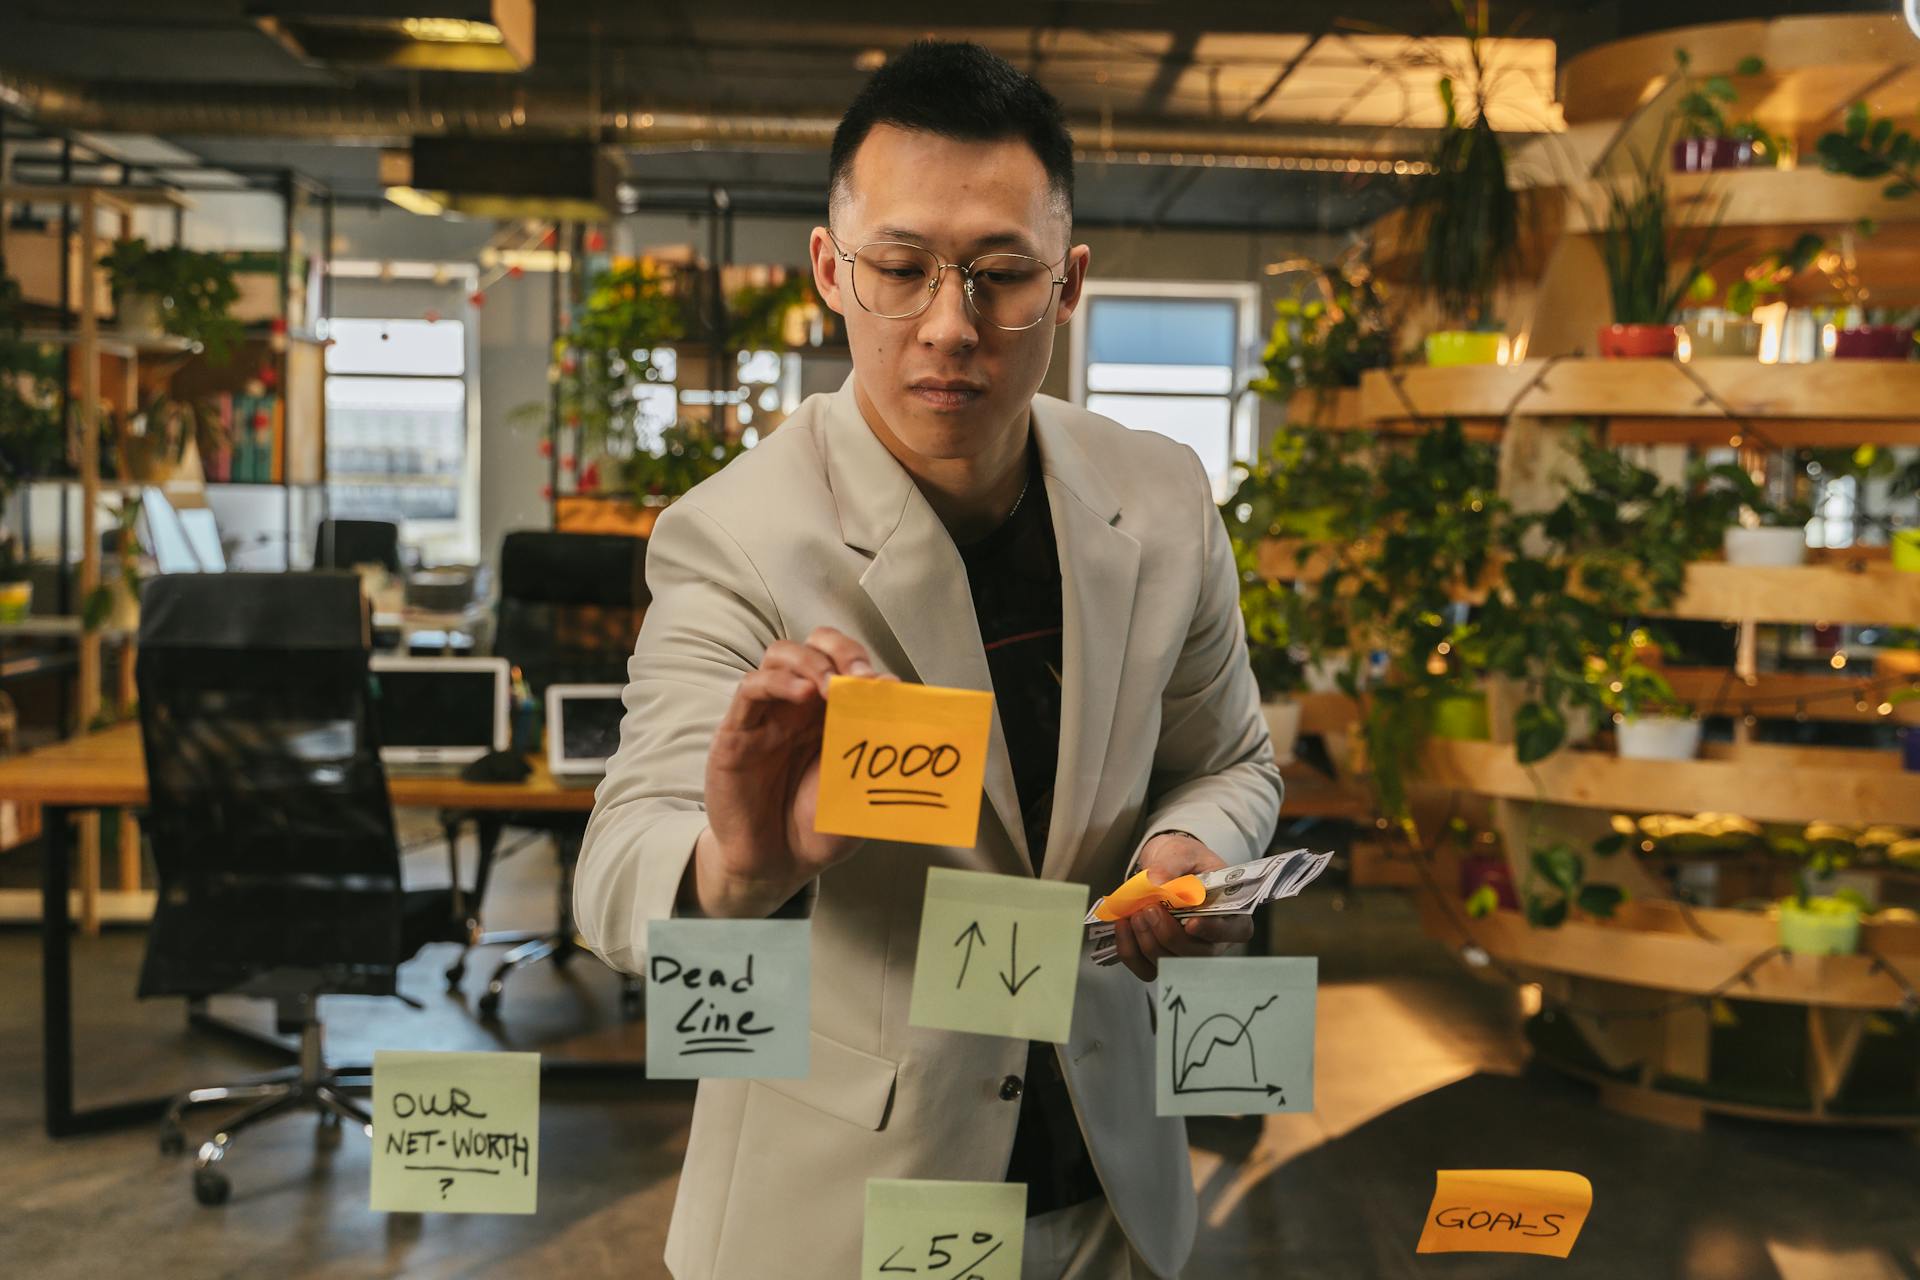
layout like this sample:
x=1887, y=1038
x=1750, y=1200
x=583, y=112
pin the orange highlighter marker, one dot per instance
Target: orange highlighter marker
x=1140, y=893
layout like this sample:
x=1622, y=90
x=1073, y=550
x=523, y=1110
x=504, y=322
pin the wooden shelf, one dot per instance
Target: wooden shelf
x=1716, y=691
x=1683, y=963
x=1805, y=198
x=1821, y=401
x=1860, y=787
x=1808, y=593
x=1817, y=66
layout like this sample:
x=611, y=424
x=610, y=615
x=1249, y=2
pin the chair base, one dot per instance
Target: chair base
x=530, y=948
x=307, y=1087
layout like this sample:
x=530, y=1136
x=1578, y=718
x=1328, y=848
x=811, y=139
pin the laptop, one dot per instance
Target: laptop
x=180, y=539
x=435, y=715
x=583, y=730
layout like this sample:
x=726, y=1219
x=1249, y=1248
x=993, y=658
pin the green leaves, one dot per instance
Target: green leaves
x=1560, y=866
x=1482, y=902
x=1870, y=149
x=1564, y=874
x=1538, y=731
x=1601, y=900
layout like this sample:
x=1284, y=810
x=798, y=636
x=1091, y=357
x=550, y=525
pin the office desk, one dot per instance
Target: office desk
x=107, y=770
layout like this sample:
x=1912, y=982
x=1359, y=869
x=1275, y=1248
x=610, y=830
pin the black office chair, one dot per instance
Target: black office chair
x=270, y=827
x=342, y=544
x=570, y=607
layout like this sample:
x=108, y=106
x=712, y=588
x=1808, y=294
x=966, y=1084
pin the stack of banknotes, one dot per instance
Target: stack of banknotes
x=1231, y=891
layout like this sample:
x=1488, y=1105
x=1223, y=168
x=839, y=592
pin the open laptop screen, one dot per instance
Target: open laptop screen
x=440, y=710
x=583, y=727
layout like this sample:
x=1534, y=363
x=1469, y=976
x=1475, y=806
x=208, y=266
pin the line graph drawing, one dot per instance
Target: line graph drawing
x=1223, y=1033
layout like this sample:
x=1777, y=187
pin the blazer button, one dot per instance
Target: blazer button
x=1010, y=1088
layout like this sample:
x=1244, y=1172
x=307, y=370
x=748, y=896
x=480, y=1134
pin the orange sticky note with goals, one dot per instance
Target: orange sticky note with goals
x=1506, y=1211
x=903, y=761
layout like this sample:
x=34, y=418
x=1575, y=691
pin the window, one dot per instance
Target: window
x=1170, y=358
x=398, y=437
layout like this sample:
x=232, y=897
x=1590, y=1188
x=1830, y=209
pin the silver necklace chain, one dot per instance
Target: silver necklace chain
x=1023, y=493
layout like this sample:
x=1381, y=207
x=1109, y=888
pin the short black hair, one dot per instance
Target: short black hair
x=958, y=90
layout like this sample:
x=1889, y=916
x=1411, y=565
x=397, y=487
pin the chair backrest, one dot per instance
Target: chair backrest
x=570, y=606
x=342, y=544
x=269, y=817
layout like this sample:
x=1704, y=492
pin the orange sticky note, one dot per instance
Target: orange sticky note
x=903, y=761
x=1141, y=892
x=1506, y=1211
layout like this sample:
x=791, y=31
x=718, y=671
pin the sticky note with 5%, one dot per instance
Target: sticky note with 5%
x=903, y=761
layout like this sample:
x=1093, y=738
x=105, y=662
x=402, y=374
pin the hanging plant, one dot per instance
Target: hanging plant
x=1325, y=342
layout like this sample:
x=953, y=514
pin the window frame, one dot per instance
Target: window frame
x=1243, y=405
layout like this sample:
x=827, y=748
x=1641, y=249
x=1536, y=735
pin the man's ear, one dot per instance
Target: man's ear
x=1079, y=258
x=826, y=269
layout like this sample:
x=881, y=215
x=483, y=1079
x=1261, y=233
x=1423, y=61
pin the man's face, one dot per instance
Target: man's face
x=961, y=200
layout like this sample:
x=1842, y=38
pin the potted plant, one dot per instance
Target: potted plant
x=1873, y=333
x=177, y=291
x=679, y=457
x=1645, y=283
x=1465, y=215
x=1650, y=720
x=1707, y=139
x=1557, y=885
x=32, y=443
x=1320, y=345
x=1729, y=329
x=16, y=581
x=1770, y=531
x=1821, y=924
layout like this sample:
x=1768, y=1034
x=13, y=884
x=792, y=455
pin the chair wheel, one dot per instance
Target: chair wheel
x=454, y=975
x=489, y=1004
x=172, y=1141
x=210, y=1187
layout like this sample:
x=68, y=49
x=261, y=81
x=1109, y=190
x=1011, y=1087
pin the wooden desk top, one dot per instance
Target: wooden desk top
x=107, y=770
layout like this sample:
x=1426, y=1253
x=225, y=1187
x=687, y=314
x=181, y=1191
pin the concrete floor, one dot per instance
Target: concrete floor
x=1419, y=1067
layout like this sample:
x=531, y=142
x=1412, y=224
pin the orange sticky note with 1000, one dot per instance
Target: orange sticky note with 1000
x=1506, y=1211
x=903, y=761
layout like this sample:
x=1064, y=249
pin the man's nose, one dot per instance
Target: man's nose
x=948, y=321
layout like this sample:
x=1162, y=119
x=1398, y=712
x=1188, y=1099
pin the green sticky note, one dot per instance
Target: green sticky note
x=943, y=1230
x=728, y=998
x=998, y=954
x=1234, y=1037
x=455, y=1132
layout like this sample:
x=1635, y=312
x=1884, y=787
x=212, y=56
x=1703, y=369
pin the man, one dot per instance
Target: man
x=937, y=521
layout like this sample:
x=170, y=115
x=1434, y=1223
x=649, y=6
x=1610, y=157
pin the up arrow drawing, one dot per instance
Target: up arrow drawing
x=1013, y=967
x=970, y=935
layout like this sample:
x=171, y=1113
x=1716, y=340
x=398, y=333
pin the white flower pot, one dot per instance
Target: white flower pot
x=1283, y=726
x=1766, y=546
x=140, y=315
x=1659, y=738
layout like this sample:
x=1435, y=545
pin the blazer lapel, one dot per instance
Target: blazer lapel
x=917, y=581
x=1099, y=570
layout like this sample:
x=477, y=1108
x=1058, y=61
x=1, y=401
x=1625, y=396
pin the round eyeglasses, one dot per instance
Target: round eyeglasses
x=896, y=281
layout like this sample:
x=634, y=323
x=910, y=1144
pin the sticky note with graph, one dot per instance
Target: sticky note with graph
x=1234, y=1036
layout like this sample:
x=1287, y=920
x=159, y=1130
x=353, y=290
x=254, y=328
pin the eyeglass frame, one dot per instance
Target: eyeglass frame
x=940, y=277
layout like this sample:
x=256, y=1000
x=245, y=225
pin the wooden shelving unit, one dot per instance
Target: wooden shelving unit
x=1657, y=967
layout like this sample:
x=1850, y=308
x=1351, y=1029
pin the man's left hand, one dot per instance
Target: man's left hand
x=1147, y=937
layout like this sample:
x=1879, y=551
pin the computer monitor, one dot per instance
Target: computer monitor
x=583, y=728
x=440, y=711
x=180, y=540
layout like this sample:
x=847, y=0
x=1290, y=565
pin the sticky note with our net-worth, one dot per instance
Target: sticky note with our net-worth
x=903, y=761
x=1506, y=1211
x=455, y=1132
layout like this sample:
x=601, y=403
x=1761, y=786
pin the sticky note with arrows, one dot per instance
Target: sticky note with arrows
x=999, y=955
x=1234, y=1036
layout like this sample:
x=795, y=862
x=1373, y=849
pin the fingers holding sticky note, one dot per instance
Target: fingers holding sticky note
x=1141, y=892
x=1506, y=1211
x=903, y=761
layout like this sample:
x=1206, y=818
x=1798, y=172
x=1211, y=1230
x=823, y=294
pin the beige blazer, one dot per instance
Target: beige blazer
x=1161, y=728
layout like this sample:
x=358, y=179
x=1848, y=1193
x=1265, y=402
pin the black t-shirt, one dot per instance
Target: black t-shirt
x=1014, y=575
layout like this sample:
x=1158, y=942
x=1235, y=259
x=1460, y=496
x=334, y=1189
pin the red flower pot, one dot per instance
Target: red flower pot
x=1704, y=155
x=1873, y=342
x=1639, y=341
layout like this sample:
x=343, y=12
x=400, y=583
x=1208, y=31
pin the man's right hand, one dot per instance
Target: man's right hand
x=763, y=782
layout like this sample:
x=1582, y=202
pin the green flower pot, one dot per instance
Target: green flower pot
x=16, y=601
x=1462, y=717
x=1906, y=550
x=1819, y=933
x=1465, y=346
